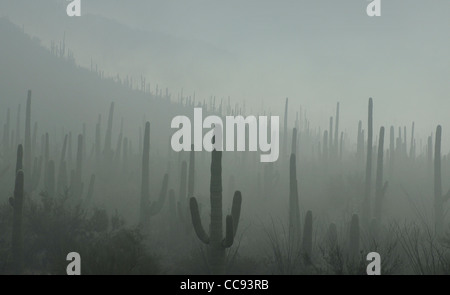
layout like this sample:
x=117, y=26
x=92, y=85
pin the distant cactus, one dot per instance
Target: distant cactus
x=285, y=133
x=216, y=242
x=27, y=151
x=294, y=213
x=19, y=161
x=307, y=237
x=191, y=175
x=391, y=151
x=380, y=188
x=368, y=183
x=60, y=185
x=107, y=152
x=360, y=144
x=294, y=142
x=148, y=208
x=77, y=184
x=17, y=204
x=336, y=131
x=439, y=199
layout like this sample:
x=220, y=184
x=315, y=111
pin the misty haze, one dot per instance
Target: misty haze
x=352, y=158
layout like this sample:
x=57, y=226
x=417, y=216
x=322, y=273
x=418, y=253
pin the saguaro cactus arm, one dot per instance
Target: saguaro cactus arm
x=229, y=233
x=236, y=210
x=196, y=221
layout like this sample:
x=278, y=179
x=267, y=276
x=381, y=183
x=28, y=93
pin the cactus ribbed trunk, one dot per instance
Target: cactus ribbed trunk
x=430, y=153
x=217, y=262
x=336, y=131
x=27, y=152
x=368, y=183
x=379, y=189
x=330, y=140
x=98, y=141
x=77, y=187
x=108, y=138
x=6, y=134
x=191, y=177
x=294, y=213
x=438, y=198
x=216, y=241
x=60, y=185
x=145, y=194
x=308, y=237
x=391, y=151
x=359, y=144
x=285, y=134
x=17, y=204
x=183, y=183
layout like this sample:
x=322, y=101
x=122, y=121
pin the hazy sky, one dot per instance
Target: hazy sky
x=314, y=52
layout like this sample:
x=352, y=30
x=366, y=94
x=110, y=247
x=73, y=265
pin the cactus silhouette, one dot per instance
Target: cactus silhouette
x=380, y=188
x=336, y=130
x=147, y=208
x=17, y=203
x=285, y=135
x=107, y=152
x=294, y=213
x=368, y=183
x=307, y=237
x=439, y=199
x=216, y=242
x=27, y=150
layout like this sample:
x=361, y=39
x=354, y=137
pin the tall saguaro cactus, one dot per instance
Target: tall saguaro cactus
x=368, y=185
x=336, y=131
x=27, y=152
x=285, y=134
x=391, y=151
x=216, y=242
x=191, y=175
x=108, y=137
x=439, y=199
x=294, y=213
x=380, y=189
x=17, y=204
x=148, y=208
x=307, y=237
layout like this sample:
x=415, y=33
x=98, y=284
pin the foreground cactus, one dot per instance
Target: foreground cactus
x=215, y=240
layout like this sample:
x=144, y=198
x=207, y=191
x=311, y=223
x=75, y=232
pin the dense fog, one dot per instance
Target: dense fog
x=87, y=157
